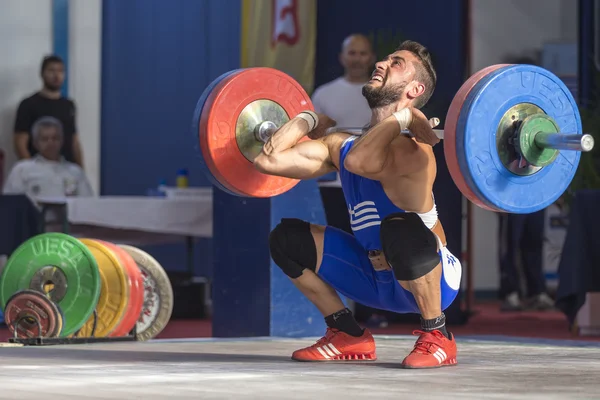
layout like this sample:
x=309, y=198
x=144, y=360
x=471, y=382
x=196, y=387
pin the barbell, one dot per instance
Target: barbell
x=512, y=136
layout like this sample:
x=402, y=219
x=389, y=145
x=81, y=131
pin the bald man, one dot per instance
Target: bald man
x=342, y=99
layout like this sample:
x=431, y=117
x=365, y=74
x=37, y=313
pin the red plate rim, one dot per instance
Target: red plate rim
x=219, y=116
x=450, y=134
x=203, y=137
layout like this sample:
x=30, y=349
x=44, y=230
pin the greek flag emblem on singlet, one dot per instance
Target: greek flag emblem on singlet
x=363, y=215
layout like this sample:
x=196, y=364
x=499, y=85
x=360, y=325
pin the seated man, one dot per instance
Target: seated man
x=47, y=174
x=397, y=259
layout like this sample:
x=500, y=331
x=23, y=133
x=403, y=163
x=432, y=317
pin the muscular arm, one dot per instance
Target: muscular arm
x=384, y=151
x=282, y=155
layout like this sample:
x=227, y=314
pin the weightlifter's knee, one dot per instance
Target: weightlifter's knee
x=292, y=247
x=409, y=246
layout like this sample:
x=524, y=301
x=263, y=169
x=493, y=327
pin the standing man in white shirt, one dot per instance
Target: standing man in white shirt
x=342, y=100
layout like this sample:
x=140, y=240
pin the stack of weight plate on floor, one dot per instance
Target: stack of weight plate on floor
x=57, y=286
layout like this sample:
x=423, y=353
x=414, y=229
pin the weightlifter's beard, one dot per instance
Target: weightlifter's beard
x=383, y=96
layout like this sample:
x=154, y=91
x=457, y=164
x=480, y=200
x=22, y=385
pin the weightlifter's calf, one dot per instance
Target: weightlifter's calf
x=406, y=276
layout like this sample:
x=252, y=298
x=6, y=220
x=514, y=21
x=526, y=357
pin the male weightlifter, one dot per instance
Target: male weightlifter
x=397, y=259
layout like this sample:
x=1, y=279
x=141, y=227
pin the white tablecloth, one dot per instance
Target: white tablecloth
x=189, y=217
x=152, y=217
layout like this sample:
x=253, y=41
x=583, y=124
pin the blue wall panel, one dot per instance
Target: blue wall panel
x=157, y=58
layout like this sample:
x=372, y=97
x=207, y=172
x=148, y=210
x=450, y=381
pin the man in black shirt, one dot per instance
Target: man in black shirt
x=48, y=102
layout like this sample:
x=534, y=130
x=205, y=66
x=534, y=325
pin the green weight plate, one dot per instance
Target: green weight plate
x=60, y=266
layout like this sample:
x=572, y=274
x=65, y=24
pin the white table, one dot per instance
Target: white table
x=135, y=220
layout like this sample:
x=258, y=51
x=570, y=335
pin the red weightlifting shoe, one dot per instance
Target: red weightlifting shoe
x=432, y=350
x=339, y=346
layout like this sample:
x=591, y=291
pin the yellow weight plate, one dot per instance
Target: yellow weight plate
x=114, y=291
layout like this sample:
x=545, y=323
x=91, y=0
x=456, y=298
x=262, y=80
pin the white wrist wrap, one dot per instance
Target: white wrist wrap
x=404, y=118
x=310, y=117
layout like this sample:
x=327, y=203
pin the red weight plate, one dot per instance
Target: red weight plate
x=136, y=291
x=450, y=134
x=35, y=306
x=218, y=127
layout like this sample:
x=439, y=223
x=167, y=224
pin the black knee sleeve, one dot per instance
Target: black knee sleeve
x=408, y=245
x=292, y=247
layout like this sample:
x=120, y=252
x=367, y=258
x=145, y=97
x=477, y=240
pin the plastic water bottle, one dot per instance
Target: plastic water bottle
x=182, y=178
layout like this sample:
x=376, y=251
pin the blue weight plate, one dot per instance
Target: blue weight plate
x=196, y=128
x=479, y=119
